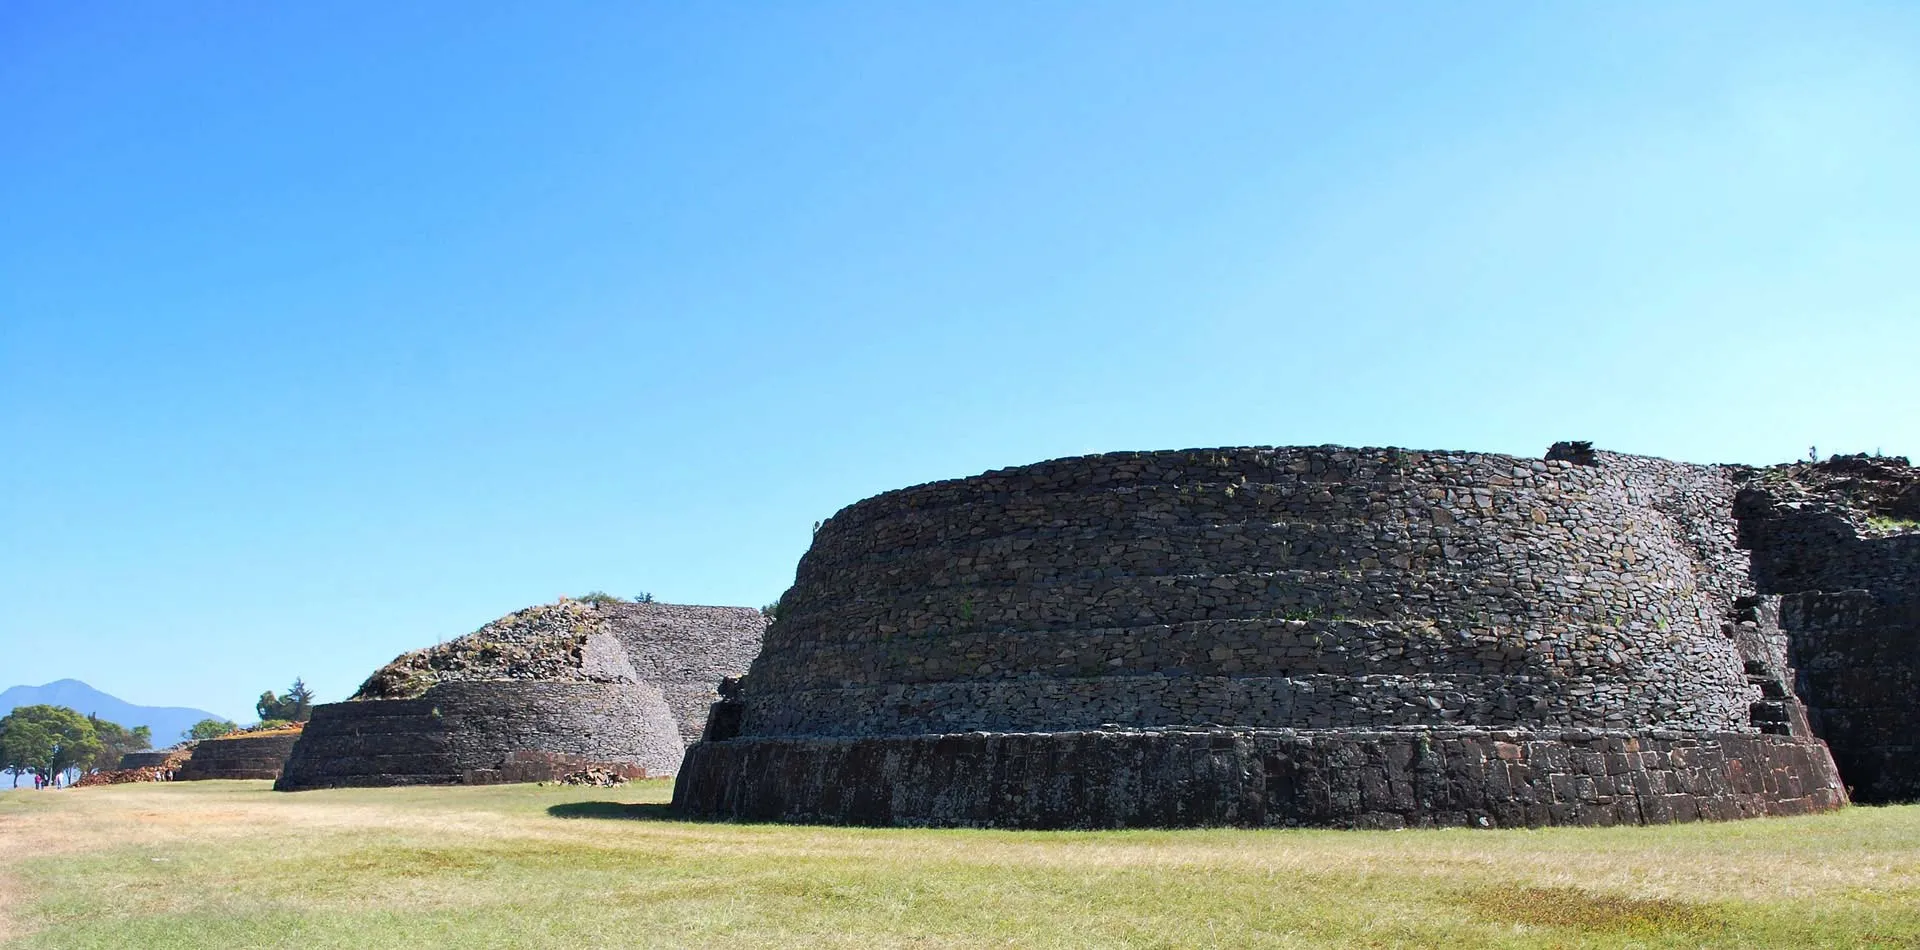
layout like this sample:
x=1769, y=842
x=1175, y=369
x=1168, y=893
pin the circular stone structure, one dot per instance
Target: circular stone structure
x=531, y=696
x=1271, y=636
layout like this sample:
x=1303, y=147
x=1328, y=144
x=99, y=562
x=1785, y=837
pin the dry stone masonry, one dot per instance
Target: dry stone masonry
x=238, y=756
x=533, y=696
x=1837, y=544
x=1282, y=636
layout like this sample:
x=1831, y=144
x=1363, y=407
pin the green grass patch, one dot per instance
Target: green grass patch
x=1888, y=525
x=218, y=864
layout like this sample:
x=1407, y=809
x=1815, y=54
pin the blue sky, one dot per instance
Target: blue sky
x=331, y=331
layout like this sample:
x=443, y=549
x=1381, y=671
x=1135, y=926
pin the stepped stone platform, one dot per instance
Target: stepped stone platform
x=532, y=696
x=1275, y=636
x=240, y=756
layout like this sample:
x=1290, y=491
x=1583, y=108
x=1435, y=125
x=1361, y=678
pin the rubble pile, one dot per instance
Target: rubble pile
x=1877, y=494
x=540, y=643
x=595, y=776
x=124, y=777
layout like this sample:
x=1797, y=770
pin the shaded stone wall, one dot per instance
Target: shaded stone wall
x=1839, y=542
x=469, y=732
x=245, y=757
x=1108, y=779
x=1859, y=661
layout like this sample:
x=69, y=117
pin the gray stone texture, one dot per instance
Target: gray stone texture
x=242, y=756
x=595, y=684
x=1299, y=596
x=1284, y=778
x=459, y=732
x=1838, y=542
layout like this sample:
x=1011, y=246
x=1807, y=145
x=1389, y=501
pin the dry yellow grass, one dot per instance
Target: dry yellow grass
x=234, y=864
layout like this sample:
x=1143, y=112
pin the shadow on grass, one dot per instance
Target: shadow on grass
x=653, y=811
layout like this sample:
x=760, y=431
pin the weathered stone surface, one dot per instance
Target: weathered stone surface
x=241, y=756
x=1839, y=543
x=475, y=732
x=1256, y=778
x=682, y=650
x=1291, y=597
x=605, y=685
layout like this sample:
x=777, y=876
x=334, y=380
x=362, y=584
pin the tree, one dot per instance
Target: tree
x=298, y=702
x=296, y=706
x=115, y=741
x=8, y=762
x=48, y=740
x=209, y=729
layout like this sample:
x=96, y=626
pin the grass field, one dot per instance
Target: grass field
x=233, y=864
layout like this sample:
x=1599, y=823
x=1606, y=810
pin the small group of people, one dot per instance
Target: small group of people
x=39, y=781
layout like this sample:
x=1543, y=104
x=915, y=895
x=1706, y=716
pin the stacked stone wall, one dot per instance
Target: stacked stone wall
x=471, y=732
x=1109, y=779
x=1074, y=623
x=238, y=757
x=1859, y=661
x=623, y=686
x=1314, y=587
x=685, y=651
x=1838, y=544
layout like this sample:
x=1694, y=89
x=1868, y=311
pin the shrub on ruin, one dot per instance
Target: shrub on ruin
x=295, y=706
x=209, y=729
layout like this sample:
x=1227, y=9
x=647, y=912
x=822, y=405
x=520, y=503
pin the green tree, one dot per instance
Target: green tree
x=48, y=740
x=115, y=741
x=209, y=729
x=296, y=706
x=302, y=699
x=8, y=763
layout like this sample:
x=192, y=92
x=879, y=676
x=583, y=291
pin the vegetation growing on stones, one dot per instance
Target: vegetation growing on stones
x=295, y=706
x=600, y=598
x=209, y=729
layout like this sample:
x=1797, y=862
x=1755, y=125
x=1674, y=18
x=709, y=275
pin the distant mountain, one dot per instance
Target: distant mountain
x=167, y=722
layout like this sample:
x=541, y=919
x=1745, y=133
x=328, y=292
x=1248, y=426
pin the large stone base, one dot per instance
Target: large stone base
x=242, y=757
x=476, y=733
x=1387, y=779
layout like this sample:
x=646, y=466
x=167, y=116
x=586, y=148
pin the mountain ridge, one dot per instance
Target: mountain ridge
x=167, y=722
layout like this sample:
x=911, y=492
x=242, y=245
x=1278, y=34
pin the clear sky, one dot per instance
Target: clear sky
x=329, y=331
